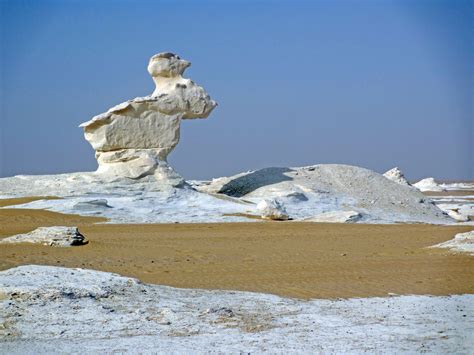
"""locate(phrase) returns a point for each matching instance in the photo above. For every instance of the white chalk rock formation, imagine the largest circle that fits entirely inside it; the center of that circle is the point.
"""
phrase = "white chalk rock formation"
(272, 209)
(455, 214)
(462, 242)
(134, 138)
(336, 217)
(397, 176)
(51, 236)
(428, 184)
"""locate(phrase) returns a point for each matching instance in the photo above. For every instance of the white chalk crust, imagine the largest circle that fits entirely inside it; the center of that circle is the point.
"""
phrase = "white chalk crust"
(46, 309)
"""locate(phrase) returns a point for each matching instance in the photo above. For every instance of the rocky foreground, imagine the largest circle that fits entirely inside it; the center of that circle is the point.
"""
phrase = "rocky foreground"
(59, 310)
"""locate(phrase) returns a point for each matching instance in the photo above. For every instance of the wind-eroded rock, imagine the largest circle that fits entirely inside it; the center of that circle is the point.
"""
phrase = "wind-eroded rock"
(397, 176)
(51, 236)
(134, 138)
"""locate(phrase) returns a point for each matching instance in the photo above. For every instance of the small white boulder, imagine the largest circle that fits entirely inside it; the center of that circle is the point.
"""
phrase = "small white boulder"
(336, 217)
(454, 213)
(272, 209)
(50, 236)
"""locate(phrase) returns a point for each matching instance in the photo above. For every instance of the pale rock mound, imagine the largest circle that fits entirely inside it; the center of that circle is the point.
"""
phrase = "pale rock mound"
(51, 236)
(397, 176)
(272, 209)
(462, 242)
(428, 184)
(134, 138)
(336, 217)
(331, 187)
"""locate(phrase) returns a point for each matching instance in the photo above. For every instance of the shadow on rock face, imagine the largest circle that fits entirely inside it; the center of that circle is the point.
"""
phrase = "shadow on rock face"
(245, 184)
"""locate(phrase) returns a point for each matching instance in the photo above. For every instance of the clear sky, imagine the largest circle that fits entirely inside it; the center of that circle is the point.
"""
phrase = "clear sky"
(369, 83)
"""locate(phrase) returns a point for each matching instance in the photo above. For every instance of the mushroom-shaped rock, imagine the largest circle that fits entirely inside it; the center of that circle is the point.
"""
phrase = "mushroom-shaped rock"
(134, 138)
(397, 176)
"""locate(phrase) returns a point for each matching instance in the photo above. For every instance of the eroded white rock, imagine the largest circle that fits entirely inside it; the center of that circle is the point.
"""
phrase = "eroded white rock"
(454, 213)
(462, 242)
(272, 209)
(428, 184)
(133, 139)
(50, 310)
(336, 217)
(51, 236)
(397, 176)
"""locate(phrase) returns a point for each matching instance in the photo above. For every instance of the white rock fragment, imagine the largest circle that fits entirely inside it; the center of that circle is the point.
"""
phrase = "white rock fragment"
(336, 217)
(428, 184)
(272, 209)
(462, 242)
(133, 139)
(397, 176)
(454, 213)
(51, 236)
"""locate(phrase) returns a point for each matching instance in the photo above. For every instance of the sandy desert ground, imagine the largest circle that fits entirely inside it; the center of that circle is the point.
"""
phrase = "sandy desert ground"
(320, 286)
(293, 259)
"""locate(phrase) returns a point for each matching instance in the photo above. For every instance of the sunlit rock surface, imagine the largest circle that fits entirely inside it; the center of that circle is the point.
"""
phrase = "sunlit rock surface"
(428, 184)
(134, 138)
(52, 236)
(305, 192)
(462, 243)
(336, 217)
(45, 309)
(397, 176)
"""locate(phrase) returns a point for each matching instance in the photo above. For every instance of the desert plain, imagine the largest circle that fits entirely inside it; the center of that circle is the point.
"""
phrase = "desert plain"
(291, 259)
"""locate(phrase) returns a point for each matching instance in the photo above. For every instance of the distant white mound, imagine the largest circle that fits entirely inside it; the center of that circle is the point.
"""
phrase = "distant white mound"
(397, 176)
(51, 236)
(428, 184)
(312, 190)
(134, 138)
(462, 243)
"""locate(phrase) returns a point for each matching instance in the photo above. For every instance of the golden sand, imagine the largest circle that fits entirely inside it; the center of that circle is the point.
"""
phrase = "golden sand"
(305, 260)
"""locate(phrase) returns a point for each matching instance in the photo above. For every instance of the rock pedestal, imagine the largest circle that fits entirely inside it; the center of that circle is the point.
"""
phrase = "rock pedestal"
(134, 138)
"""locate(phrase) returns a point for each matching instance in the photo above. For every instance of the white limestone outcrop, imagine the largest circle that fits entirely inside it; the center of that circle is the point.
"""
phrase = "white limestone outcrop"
(461, 243)
(50, 236)
(336, 217)
(454, 213)
(428, 184)
(134, 138)
(397, 176)
(272, 209)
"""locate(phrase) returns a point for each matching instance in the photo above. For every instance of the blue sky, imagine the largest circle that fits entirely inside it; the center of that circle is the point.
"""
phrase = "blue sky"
(370, 83)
